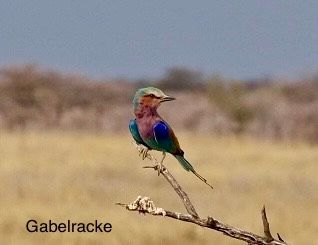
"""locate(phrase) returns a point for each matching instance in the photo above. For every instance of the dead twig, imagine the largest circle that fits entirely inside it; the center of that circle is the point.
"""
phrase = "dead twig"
(146, 205)
(183, 196)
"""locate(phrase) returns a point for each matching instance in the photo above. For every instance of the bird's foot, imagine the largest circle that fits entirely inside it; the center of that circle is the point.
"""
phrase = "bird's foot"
(159, 168)
(143, 151)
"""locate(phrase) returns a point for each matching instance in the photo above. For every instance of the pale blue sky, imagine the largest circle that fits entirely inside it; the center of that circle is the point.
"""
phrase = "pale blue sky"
(238, 38)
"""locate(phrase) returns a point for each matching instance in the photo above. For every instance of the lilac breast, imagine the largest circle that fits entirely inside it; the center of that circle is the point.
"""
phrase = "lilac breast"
(146, 118)
(145, 127)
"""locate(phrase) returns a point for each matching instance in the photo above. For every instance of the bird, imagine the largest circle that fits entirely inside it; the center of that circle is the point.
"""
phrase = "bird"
(152, 132)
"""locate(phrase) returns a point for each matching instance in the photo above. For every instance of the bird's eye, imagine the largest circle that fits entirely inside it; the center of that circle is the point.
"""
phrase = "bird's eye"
(152, 95)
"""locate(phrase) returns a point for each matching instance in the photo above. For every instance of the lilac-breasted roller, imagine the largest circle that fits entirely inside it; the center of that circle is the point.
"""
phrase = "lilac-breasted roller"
(151, 131)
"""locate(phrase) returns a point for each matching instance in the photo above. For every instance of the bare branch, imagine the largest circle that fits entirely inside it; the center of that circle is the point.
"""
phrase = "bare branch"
(172, 181)
(183, 196)
(146, 205)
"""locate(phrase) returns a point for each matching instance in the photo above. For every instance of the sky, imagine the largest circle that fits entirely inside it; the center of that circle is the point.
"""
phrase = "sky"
(242, 39)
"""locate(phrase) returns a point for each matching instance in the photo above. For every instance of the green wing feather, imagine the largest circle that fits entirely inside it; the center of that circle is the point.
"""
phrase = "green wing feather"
(135, 132)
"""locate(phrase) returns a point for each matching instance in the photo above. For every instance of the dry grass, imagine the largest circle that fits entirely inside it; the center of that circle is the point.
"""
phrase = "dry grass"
(79, 176)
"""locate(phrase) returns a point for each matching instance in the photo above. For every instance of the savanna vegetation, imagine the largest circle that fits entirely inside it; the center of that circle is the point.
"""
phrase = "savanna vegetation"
(31, 97)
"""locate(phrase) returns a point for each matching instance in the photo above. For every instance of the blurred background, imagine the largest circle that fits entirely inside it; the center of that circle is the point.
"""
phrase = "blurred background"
(245, 75)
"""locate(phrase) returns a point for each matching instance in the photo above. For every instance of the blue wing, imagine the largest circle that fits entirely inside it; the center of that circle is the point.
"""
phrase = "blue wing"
(135, 133)
(165, 138)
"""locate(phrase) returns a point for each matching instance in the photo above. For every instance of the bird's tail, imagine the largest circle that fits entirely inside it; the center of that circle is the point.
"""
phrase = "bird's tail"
(187, 166)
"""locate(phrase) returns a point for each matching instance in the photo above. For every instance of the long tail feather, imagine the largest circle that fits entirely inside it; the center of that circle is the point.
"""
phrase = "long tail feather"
(187, 166)
(184, 163)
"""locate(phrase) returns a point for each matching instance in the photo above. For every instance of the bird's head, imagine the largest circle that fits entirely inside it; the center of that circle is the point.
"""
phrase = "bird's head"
(151, 97)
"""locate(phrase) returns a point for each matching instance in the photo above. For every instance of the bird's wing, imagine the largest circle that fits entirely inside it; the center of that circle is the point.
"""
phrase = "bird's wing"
(166, 139)
(135, 132)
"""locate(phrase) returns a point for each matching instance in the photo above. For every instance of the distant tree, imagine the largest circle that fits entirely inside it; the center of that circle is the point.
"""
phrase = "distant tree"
(300, 92)
(228, 97)
(180, 78)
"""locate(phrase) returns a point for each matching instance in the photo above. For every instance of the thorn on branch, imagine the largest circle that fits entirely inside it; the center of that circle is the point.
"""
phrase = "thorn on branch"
(121, 204)
(267, 231)
(211, 222)
(280, 238)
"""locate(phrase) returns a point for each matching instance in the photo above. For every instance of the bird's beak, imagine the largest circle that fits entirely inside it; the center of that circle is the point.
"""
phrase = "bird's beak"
(167, 98)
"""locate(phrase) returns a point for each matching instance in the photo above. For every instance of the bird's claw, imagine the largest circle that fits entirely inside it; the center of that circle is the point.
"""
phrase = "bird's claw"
(143, 152)
(159, 168)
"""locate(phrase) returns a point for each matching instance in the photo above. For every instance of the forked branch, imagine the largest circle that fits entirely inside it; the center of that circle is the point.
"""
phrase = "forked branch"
(146, 205)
